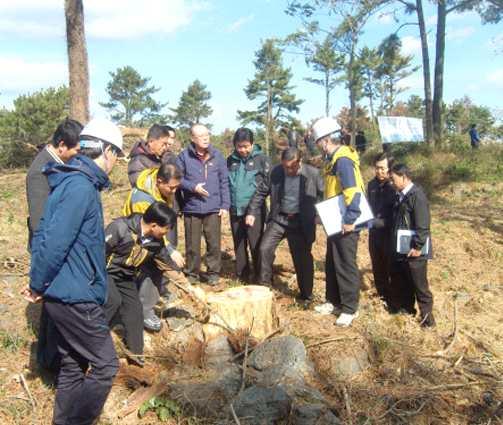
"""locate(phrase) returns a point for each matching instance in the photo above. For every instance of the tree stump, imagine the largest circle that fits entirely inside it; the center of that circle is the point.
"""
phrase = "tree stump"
(249, 308)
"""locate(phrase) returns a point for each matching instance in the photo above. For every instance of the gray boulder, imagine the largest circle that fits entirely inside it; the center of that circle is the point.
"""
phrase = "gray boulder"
(262, 406)
(313, 414)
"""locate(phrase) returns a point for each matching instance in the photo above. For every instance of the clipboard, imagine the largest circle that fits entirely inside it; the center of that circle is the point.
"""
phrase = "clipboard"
(333, 209)
(404, 239)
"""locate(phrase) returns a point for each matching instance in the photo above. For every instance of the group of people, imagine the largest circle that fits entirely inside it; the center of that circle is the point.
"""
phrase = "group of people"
(91, 278)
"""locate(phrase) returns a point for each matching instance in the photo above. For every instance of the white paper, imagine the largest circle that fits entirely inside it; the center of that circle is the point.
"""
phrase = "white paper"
(400, 129)
(333, 209)
(403, 240)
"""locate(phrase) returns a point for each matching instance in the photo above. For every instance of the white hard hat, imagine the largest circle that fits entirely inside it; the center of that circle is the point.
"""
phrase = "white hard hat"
(323, 127)
(102, 129)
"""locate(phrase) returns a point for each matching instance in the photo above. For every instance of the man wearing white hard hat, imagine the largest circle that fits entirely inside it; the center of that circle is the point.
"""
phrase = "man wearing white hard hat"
(342, 176)
(68, 271)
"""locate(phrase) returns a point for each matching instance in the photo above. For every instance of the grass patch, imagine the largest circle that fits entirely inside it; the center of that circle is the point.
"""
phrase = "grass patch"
(12, 342)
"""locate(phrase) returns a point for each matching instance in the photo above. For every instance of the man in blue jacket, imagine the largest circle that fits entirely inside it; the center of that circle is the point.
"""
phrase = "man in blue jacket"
(205, 190)
(68, 271)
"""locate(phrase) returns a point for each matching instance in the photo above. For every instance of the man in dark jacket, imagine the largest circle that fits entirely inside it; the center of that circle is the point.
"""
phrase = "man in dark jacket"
(63, 147)
(132, 243)
(68, 271)
(409, 281)
(294, 188)
(248, 167)
(381, 197)
(150, 153)
(205, 191)
(474, 136)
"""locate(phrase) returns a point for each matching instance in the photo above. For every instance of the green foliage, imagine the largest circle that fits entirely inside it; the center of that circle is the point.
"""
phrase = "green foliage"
(30, 123)
(12, 342)
(164, 408)
(193, 106)
(272, 84)
(131, 101)
(461, 113)
(393, 68)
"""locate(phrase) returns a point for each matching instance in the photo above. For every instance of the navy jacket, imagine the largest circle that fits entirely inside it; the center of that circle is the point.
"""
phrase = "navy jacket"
(212, 172)
(68, 249)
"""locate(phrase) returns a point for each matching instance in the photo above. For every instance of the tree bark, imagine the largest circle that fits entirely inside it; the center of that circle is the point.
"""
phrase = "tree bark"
(439, 72)
(77, 61)
(327, 94)
(352, 89)
(426, 72)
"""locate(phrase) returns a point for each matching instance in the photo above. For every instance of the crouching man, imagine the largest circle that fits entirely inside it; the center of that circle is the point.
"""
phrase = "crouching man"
(134, 244)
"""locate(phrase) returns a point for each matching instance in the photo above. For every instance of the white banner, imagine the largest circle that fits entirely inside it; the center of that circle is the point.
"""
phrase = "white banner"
(400, 129)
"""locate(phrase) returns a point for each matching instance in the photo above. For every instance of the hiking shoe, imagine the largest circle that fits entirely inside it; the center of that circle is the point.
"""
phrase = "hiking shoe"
(212, 279)
(136, 359)
(325, 308)
(151, 322)
(345, 319)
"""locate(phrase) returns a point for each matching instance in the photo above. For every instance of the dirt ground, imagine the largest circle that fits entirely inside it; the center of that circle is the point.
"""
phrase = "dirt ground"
(448, 375)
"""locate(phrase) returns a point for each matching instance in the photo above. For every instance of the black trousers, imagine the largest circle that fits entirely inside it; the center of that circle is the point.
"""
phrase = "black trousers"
(88, 362)
(379, 249)
(47, 349)
(245, 236)
(197, 225)
(173, 235)
(409, 283)
(124, 306)
(341, 272)
(299, 249)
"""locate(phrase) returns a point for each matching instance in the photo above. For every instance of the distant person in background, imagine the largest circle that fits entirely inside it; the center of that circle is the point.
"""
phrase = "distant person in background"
(381, 197)
(361, 142)
(155, 185)
(294, 189)
(409, 280)
(474, 136)
(205, 190)
(63, 147)
(248, 167)
(149, 153)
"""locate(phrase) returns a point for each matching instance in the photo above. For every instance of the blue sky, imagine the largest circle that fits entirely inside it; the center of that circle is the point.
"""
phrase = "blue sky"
(176, 41)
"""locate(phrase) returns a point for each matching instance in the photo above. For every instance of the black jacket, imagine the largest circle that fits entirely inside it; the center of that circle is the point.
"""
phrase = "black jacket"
(125, 251)
(382, 198)
(37, 190)
(311, 192)
(413, 213)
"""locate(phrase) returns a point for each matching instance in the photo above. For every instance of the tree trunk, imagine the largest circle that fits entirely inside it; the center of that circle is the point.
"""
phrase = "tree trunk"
(439, 72)
(77, 61)
(426, 72)
(327, 94)
(352, 90)
(250, 308)
(268, 135)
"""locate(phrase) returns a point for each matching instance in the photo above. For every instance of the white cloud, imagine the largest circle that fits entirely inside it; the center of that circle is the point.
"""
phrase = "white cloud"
(19, 75)
(412, 82)
(459, 33)
(411, 45)
(110, 19)
(236, 25)
(495, 78)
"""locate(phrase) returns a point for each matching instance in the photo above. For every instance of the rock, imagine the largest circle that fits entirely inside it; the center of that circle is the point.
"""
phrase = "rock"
(262, 406)
(209, 399)
(313, 414)
(280, 360)
(183, 338)
(242, 307)
(348, 366)
(218, 353)
(176, 324)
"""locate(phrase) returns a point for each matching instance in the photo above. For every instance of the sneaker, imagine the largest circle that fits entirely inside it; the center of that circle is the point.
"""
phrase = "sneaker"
(151, 322)
(345, 319)
(325, 308)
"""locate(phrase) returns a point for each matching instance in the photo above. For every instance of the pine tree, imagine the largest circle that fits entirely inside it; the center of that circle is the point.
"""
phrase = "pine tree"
(131, 100)
(193, 106)
(272, 84)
